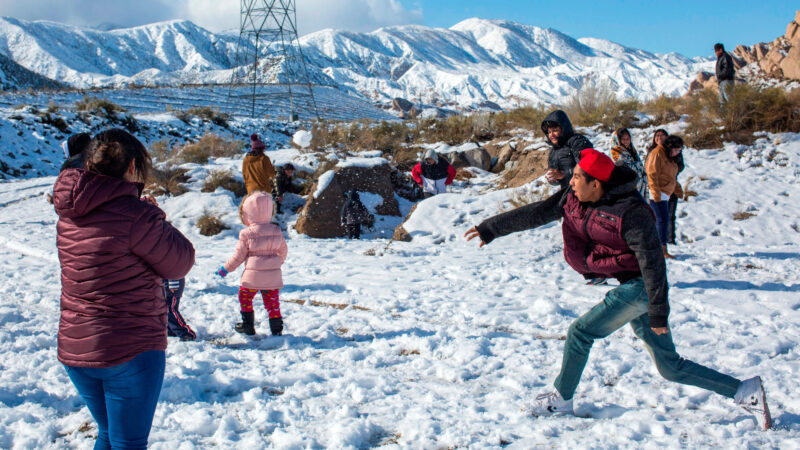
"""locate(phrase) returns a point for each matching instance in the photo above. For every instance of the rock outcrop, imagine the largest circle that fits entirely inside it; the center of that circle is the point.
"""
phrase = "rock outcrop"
(320, 217)
(779, 58)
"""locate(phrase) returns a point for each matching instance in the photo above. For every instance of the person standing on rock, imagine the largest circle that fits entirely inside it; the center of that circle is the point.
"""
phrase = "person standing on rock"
(566, 147)
(662, 180)
(257, 169)
(433, 173)
(725, 73)
(608, 229)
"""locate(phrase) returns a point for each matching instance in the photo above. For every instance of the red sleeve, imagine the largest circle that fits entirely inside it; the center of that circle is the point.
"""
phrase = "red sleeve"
(416, 173)
(451, 175)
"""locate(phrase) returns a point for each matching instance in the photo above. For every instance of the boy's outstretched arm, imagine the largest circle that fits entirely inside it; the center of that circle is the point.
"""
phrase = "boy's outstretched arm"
(523, 218)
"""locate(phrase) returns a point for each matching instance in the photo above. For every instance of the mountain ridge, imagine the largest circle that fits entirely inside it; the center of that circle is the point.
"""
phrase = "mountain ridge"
(474, 61)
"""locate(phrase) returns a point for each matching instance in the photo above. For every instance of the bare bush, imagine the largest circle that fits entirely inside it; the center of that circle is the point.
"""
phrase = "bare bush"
(99, 107)
(209, 146)
(167, 181)
(223, 179)
(596, 104)
(210, 224)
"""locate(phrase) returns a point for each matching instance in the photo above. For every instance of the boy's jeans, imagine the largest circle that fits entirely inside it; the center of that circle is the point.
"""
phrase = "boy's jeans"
(624, 304)
(122, 399)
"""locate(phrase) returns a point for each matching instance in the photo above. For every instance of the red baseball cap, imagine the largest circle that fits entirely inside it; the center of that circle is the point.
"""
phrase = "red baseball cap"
(596, 164)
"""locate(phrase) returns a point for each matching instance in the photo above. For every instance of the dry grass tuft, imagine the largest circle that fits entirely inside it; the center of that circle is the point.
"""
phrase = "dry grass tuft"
(208, 146)
(167, 181)
(210, 224)
(225, 180)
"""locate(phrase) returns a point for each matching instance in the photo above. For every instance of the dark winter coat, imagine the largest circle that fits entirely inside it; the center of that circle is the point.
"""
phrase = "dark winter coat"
(725, 69)
(442, 169)
(565, 154)
(353, 211)
(115, 250)
(73, 162)
(283, 183)
(614, 237)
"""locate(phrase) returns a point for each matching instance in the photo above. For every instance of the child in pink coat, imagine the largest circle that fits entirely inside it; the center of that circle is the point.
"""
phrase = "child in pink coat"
(263, 250)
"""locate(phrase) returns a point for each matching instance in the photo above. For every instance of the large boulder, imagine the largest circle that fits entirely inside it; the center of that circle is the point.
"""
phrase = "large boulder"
(526, 166)
(401, 104)
(476, 156)
(790, 65)
(320, 216)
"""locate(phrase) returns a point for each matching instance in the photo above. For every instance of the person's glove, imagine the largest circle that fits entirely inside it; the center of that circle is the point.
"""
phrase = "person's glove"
(222, 272)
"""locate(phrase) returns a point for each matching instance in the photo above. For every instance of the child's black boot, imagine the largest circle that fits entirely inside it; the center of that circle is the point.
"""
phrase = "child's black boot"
(247, 325)
(276, 326)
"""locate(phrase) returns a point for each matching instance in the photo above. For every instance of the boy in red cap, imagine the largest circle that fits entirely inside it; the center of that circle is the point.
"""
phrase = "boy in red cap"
(610, 231)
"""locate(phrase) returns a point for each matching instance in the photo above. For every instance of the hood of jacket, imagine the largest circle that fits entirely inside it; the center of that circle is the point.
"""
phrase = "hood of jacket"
(559, 117)
(621, 183)
(615, 143)
(257, 209)
(78, 192)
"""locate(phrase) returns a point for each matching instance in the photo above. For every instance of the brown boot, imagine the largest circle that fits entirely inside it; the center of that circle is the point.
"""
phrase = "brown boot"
(666, 253)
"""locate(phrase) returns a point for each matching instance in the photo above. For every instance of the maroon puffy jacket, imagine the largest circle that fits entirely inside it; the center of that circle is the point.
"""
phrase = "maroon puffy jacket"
(114, 249)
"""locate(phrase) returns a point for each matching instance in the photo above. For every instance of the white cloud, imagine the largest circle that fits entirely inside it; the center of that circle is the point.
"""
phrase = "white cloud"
(215, 15)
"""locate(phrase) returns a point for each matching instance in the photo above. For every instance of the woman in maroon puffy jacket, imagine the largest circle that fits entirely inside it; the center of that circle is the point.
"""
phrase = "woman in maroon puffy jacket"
(115, 249)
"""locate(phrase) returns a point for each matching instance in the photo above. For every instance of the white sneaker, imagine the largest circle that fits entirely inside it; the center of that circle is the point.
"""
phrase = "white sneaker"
(551, 404)
(753, 399)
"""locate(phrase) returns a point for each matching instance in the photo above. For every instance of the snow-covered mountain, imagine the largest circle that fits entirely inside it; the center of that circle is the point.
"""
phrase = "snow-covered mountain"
(470, 63)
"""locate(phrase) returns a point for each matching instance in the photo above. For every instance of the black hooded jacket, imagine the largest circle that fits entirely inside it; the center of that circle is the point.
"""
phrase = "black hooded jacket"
(565, 154)
(353, 211)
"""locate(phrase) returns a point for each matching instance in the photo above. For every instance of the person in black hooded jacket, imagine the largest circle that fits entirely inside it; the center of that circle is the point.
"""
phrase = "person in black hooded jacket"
(566, 148)
(354, 214)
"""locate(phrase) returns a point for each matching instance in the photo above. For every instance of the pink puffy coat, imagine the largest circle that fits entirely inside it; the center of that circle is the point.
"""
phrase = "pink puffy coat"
(114, 250)
(261, 245)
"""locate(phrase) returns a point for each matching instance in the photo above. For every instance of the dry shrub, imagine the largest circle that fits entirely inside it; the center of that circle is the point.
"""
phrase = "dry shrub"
(597, 104)
(99, 107)
(753, 109)
(167, 181)
(528, 117)
(742, 215)
(208, 146)
(210, 224)
(54, 121)
(663, 108)
(225, 180)
(160, 150)
(213, 115)
(702, 109)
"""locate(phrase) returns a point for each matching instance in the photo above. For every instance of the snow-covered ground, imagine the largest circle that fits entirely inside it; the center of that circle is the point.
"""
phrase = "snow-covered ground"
(436, 343)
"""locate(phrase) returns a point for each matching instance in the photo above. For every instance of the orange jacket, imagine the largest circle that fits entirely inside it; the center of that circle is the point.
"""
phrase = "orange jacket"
(258, 173)
(662, 174)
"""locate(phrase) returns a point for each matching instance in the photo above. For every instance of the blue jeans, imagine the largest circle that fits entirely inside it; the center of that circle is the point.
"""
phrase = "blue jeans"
(662, 219)
(628, 304)
(122, 399)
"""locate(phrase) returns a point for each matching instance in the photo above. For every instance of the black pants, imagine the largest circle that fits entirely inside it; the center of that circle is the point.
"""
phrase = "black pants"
(176, 324)
(276, 201)
(353, 231)
(673, 210)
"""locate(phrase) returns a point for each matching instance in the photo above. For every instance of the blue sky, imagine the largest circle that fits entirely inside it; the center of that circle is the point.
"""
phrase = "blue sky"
(687, 27)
